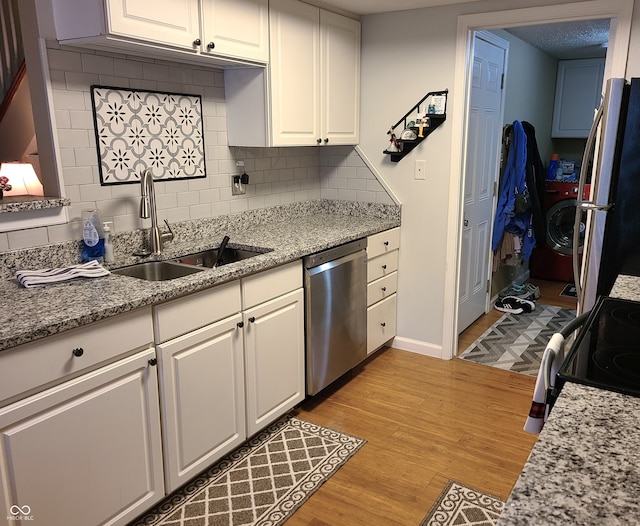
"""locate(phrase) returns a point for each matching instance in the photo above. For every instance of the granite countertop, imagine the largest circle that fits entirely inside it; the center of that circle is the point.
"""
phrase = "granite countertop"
(583, 470)
(33, 313)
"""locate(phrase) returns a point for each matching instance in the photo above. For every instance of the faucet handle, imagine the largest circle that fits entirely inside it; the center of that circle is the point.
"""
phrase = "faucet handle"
(168, 235)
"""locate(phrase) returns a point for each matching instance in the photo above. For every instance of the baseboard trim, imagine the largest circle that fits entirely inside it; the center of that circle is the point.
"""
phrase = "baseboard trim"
(419, 347)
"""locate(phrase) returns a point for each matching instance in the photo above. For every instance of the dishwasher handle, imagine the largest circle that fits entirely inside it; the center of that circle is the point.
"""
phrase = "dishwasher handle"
(331, 254)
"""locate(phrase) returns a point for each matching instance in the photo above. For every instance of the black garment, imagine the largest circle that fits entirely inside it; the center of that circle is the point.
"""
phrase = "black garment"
(535, 176)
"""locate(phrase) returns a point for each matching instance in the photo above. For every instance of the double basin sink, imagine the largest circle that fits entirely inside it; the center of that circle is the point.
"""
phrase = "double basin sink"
(185, 265)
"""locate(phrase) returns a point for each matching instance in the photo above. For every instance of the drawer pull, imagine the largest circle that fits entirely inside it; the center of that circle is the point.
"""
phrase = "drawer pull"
(384, 267)
(78, 351)
(197, 42)
(211, 45)
(240, 324)
(383, 324)
(252, 319)
(153, 361)
(384, 289)
(386, 243)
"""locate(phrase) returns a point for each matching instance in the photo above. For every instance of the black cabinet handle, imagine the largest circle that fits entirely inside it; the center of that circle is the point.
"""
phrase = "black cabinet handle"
(79, 351)
(384, 289)
(386, 243)
(384, 267)
(197, 42)
(211, 45)
(153, 361)
(383, 324)
(326, 141)
(252, 319)
(319, 141)
(240, 324)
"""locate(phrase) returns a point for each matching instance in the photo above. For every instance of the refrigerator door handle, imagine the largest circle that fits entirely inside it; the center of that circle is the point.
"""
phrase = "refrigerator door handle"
(588, 151)
(588, 205)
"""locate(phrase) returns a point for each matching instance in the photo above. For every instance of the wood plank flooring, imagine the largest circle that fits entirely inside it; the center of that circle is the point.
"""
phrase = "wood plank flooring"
(426, 421)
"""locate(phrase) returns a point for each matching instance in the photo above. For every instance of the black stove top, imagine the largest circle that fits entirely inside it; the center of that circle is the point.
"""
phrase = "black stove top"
(606, 353)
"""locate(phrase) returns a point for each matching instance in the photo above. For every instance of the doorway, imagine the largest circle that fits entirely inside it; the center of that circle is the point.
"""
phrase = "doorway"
(617, 10)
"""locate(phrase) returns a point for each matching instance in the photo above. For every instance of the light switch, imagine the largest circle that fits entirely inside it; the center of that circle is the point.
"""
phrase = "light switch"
(420, 169)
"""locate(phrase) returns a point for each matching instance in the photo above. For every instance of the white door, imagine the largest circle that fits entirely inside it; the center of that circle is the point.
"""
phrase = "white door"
(170, 22)
(274, 352)
(484, 133)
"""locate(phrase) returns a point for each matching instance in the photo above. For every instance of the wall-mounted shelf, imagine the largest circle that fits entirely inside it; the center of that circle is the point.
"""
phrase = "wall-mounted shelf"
(433, 114)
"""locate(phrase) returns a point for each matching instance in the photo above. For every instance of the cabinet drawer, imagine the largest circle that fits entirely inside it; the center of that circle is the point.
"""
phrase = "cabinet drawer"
(269, 284)
(383, 242)
(382, 288)
(381, 323)
(382, 265)
(183, 315)
(45, 362)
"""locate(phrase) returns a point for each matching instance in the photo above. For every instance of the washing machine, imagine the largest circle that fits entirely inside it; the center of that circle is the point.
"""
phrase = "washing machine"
(554, 261)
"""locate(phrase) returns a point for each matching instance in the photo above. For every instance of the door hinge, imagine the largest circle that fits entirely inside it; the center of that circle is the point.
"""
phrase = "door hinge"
(495, 188)
(488, 286)
(502, 81)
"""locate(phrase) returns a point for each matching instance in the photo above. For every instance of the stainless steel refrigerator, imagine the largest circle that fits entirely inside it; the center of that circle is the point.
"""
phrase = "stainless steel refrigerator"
(612, 227)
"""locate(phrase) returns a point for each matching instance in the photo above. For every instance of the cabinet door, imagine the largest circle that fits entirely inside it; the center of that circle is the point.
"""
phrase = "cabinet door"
(340, 78)
(295, 69)
(236, 28)
(578, 94)
(202, 387)
(170, 22)
(274, 352)
(87, 451)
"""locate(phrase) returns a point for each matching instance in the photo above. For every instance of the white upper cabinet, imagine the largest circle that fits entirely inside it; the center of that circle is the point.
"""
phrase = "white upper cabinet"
(578, 94)
(310, 94)
(198, 30)
(236, 28)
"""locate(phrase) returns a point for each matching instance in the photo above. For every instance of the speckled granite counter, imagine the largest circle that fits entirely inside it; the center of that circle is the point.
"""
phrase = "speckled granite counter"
(583, 469)
(29, 314)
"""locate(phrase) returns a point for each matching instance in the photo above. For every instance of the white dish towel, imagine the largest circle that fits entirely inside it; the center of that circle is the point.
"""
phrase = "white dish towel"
(551, 361)
(33, 278)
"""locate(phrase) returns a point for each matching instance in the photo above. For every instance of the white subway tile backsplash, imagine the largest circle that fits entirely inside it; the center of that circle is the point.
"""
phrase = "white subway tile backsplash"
(73, 138)
(77, 81)
(68, 100)
(81, 120)
(30, 237)
(131, 69)
(104, 65)
(60, 60)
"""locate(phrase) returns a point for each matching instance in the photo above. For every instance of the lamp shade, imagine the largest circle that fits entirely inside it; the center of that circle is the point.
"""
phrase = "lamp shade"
(22, 178)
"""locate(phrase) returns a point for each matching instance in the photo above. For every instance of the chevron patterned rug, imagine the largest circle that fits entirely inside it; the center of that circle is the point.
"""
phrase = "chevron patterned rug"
(261, 483)
(516, 342)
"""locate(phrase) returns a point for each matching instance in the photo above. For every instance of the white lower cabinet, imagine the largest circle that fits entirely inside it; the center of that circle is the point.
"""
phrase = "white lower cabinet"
(274, 349)
(203, 403)
(87, 451)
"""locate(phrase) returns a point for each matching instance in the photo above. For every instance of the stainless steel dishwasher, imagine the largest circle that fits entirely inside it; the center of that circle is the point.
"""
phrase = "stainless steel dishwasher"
(335, 283)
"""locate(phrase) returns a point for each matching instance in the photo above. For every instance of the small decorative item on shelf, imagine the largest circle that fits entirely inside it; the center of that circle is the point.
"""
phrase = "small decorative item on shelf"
(4, 186)
(424, 122)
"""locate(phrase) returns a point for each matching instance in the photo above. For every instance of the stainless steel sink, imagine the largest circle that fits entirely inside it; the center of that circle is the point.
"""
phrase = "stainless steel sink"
(207, 258)
(156, 271)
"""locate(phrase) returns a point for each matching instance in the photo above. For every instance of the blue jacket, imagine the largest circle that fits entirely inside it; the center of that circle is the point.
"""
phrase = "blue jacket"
(513, 182)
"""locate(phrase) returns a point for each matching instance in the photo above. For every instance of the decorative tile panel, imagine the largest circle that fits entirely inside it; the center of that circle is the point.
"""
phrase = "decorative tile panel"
(140, 130)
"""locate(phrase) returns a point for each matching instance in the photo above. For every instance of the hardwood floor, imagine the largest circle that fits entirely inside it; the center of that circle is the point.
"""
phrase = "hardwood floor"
(426, 421)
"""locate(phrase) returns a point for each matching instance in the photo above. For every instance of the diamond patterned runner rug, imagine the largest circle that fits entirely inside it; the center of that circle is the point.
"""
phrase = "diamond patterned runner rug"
(460, 505)
(261, 483)
(516, 342)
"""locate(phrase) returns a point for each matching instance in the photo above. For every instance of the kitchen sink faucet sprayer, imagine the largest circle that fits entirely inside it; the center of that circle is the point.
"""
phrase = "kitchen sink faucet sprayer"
(148, 210)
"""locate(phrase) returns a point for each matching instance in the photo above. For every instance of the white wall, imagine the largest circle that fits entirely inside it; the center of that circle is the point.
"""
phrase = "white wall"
(405, 54)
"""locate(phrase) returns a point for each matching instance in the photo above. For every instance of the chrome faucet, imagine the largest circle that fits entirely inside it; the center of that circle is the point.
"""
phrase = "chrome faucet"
(148, 209)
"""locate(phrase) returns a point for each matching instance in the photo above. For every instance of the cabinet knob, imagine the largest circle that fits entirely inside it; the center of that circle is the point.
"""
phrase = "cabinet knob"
(383, 324)
(326, 141)
(197, 42)
(211, 45)
(386, 243)
(384, 289)
(384, 267)
(153, 361)
(240, 324)
(319, 141)
(252, 319)
(79, 351)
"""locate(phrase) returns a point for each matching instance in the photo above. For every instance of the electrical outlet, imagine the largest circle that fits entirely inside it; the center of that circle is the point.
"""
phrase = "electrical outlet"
(237, 188)
(420, 170)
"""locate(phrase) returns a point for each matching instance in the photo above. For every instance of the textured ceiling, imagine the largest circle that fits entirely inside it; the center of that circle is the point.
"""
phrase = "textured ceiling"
(564, 40)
